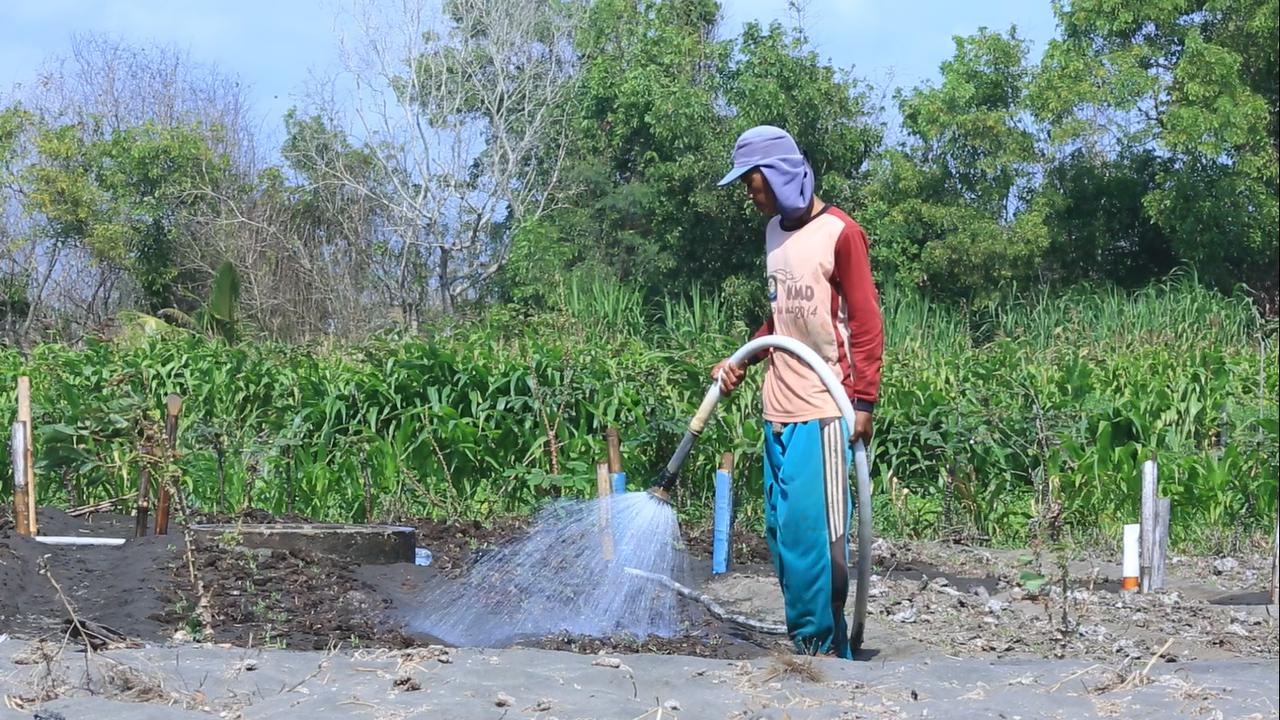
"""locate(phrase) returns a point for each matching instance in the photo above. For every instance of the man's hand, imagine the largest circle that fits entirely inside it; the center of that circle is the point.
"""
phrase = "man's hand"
(861, 427)
(732, 376)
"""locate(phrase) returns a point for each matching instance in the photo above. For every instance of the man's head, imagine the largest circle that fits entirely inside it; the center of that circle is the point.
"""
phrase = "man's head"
(776, 173)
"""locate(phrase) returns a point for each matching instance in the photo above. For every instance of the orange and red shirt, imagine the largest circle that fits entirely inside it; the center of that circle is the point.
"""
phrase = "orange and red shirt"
(821, 293)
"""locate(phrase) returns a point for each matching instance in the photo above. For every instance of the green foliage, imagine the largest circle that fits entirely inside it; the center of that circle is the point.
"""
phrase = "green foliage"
(658, 105)
(953, 210)
(123, 196)
(217, 316)
(1197, 83)
(983, 411)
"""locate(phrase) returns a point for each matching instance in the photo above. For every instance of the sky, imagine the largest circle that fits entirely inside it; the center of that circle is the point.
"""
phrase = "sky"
(276, 46)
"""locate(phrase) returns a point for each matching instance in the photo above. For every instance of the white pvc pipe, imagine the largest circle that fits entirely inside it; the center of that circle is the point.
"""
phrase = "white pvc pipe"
(837, 392)
(69, 540)
(1132, 556)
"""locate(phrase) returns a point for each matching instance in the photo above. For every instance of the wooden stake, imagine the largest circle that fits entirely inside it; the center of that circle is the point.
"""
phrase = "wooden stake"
(144, 498)
(1161, 549)
(605, 488)
(615, 450)
(1148, 532)
(222, 472)
(173, 407)
(24, 416)
(18, 451)
(721, 533)
(1275, 565)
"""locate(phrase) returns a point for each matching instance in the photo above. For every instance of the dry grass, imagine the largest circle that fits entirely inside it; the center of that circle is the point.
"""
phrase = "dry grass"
(793, 667)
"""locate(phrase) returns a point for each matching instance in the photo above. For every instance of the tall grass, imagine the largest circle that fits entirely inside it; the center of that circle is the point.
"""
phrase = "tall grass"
(987, 414)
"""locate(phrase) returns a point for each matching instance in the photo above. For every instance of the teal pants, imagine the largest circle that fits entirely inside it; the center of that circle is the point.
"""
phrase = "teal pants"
(807, 515)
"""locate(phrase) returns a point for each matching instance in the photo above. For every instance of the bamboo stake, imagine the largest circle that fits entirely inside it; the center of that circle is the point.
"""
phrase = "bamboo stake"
(173, 407)
(721, 540)
(144, 498)
(24, 416)
(18, 451)
(604, 489)
(614, 443)
(615, 449)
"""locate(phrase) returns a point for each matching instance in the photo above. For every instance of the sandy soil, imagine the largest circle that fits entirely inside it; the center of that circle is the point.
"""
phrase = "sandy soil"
(953, 631)
(235, 683)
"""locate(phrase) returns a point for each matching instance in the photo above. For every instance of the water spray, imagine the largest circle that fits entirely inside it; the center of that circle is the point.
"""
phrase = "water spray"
(670, 474)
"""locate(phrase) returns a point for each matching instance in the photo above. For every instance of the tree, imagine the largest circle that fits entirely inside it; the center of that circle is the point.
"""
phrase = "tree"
(106, 224)
(450, 114)
(1099, 226)
(954, 209)
(123, 197)
(15, 266)
(656, 112)
(1194, 83)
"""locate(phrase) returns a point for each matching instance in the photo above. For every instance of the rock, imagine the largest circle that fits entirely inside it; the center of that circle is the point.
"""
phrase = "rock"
(504, 700)
(406, 683)
(182, 636)
(906, 616)
(356, 600)
(1222, 566)
(1017, 593)
(1237, 629)
(607, 662)
(542, 705)
(1092, 632)
(980, 591)
(671, 706)
(995, 607)
(249, 665)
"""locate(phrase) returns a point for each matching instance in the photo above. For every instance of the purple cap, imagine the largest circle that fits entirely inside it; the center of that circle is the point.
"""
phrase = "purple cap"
(756, 147)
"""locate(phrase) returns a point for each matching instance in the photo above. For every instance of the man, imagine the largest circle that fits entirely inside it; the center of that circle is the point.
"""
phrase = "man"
(821, 292)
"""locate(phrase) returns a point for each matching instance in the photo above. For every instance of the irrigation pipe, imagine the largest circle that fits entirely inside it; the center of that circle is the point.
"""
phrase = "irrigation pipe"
(669, 474)
(712, 606)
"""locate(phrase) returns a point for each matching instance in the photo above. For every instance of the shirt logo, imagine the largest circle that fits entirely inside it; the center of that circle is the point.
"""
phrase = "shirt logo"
(789, 280)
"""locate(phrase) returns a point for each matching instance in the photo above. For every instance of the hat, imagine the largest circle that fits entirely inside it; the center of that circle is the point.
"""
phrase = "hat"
(785, 168)
(756, 147)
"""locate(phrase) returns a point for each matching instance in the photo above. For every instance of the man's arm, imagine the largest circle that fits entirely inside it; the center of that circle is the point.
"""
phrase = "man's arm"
(765, 329)
(731, 375)
(866, 327)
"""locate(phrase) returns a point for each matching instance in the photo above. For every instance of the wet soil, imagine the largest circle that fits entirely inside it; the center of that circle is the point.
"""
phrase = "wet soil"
(925, 597)
(745, 548)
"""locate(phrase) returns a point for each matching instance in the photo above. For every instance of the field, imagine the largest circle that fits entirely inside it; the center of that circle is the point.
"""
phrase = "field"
(989, 414)
(1009, 440)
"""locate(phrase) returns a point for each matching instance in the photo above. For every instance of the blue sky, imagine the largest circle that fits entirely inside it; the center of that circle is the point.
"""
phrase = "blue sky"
(273, 46)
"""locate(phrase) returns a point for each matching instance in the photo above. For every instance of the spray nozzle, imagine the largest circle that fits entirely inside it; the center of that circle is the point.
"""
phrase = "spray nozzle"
(665, 483)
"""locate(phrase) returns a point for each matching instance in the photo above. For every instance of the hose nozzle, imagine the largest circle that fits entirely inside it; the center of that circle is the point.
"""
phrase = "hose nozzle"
(666, 482)
(659, 494)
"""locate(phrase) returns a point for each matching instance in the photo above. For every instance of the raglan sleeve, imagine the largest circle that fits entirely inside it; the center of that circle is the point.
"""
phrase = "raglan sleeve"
(866, 326)
(765, 328)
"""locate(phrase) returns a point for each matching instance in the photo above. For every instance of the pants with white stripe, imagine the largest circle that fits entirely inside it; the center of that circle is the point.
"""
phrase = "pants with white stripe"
(808, 513)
